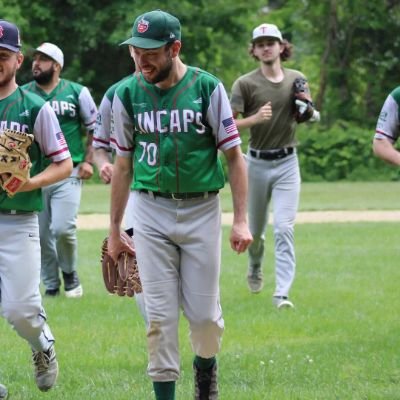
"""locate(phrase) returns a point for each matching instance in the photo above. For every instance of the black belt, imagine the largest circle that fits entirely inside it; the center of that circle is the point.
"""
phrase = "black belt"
(180, 196)
(16, 212)
(272, 154)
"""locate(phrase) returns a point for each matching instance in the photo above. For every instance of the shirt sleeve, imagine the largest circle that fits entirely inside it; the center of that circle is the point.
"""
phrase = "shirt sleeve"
(102, 131)
(122, 129)
(48, 134)
(237, 101)
(88, 109)
(220, 118)
(388, 121)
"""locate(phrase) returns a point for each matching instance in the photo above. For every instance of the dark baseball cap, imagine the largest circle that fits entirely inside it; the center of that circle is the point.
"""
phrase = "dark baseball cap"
(154, 29)
(9, 36)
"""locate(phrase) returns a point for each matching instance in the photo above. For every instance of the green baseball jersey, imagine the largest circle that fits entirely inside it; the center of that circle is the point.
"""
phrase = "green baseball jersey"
(25, 112)
(174, 134)
(102, 131)
(253, 90)
(74, 107)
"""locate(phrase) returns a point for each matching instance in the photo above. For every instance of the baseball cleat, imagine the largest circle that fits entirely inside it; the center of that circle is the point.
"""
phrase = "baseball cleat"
(74, 293)
(46, 368)
(282, 302)
(255, 278)
(205, 383)
(3, 392)
(52, 292)
(72, 286)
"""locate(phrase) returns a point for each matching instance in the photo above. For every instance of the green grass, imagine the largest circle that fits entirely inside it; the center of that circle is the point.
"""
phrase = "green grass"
(340, 342)
(314, 197)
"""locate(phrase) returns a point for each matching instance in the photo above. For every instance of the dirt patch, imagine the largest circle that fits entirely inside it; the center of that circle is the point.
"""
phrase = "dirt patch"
(101, 221)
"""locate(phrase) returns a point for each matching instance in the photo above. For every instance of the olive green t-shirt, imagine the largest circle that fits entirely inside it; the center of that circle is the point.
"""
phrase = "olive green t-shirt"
(253, 90)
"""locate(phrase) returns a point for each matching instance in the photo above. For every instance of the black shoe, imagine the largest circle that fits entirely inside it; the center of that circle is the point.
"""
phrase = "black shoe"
(205, 383)
(71, 281)
(51, 293)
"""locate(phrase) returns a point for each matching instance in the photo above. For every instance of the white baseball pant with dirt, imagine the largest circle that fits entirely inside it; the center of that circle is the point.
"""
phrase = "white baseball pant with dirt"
(20, 299)
(178, 247)
(277, 181)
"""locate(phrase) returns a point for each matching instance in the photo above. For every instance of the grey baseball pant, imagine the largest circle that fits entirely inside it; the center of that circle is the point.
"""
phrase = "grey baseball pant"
(276, 182)
(178, 248)
(58, 229)
(20, 299)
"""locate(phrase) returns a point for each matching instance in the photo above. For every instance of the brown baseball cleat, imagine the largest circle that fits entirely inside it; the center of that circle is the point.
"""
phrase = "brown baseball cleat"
(46, 368)
(205, 383)
(255, 278)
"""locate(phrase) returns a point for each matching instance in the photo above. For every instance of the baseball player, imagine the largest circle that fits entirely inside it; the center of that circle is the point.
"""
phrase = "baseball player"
(103, 160)
(387, 129)
(74, 107)
(265, 99)
(20, 299)
(101, 138)
(170, 120)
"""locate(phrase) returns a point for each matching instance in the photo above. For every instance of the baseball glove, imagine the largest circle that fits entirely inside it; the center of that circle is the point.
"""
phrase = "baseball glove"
(302, 99)
(121, 278)
(15, 162)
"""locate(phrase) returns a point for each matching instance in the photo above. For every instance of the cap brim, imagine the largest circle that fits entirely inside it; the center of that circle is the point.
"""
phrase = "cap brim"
(9, 47)
(268, 37)
(144, 43)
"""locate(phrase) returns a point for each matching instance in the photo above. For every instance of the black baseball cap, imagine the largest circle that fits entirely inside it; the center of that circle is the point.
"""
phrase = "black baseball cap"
(9, 36)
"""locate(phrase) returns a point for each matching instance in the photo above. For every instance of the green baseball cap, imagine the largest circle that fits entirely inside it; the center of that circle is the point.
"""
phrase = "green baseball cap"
(154, 29)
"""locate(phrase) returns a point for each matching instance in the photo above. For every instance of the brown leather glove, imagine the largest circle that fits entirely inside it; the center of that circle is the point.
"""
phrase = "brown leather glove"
(302, 99)
(15, 163)
(121, 278)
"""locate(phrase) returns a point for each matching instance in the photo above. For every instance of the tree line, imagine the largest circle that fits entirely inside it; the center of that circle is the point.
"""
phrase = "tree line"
(348, 49)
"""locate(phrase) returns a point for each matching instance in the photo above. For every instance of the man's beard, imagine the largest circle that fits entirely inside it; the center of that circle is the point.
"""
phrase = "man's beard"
(44, 77)
(163, 74)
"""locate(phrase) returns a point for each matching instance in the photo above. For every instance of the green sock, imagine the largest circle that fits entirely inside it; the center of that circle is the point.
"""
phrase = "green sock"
(164, 390)
(204, 363)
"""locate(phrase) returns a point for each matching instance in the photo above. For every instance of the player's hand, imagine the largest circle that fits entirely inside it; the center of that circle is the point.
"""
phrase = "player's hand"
(106, 172)
(118, 244)
(85, 170)
(264, 113)
(241, 237)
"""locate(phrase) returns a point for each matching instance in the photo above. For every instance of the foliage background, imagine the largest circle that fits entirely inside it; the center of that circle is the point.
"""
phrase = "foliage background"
(348, 49)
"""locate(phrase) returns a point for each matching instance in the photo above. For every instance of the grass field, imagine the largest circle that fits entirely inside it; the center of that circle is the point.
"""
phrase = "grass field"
(340, 342)
(314, 197)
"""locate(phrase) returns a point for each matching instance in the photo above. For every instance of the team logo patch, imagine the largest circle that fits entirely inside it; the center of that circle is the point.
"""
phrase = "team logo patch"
(143, 25)
(1, 31)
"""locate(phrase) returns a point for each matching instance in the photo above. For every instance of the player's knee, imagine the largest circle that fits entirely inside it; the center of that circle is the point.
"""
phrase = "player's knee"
(22, 319)
(64, 231)
(283, 229)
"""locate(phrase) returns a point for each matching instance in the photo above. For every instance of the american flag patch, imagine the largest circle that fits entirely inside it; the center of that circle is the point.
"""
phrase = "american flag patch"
(229, 125)
(61, 139)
